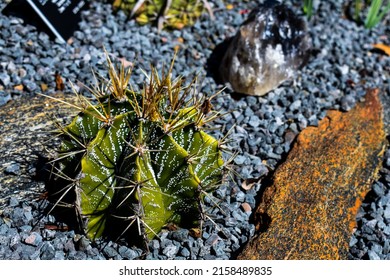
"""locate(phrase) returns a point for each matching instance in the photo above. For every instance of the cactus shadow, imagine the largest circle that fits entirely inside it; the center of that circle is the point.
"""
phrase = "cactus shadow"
(63, 215)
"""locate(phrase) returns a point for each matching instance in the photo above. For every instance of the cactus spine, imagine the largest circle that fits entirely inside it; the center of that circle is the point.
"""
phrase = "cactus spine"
(134, 162)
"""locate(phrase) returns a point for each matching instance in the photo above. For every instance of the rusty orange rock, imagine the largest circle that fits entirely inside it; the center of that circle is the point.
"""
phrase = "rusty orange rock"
(309, 209)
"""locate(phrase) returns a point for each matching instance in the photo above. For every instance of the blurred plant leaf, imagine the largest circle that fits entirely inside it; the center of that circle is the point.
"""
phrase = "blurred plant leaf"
(382, 47)
(376, 13)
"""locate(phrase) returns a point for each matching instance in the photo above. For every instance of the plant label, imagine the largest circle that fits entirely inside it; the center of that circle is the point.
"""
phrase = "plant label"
(60, 16)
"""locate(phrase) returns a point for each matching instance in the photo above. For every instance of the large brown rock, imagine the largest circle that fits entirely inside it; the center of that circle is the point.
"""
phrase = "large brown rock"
(309, 210)
(268, 49)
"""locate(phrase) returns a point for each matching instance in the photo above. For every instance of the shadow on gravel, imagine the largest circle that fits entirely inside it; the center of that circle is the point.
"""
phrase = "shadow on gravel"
(65, 215)
(262, 221)
(21, 9)
(215, 59)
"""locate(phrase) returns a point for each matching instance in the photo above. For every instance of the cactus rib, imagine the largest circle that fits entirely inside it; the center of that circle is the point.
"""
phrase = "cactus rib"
(134, 162)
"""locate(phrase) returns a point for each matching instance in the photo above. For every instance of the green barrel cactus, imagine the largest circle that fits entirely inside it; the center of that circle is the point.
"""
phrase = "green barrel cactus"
(135, 162)
(169, 13)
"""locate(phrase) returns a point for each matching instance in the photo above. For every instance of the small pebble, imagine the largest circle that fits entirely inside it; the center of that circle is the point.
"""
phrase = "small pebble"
(246, 207)
(34, 239)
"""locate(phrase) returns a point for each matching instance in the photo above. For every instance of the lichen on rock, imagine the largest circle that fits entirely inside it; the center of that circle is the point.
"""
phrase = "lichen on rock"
(309, 209)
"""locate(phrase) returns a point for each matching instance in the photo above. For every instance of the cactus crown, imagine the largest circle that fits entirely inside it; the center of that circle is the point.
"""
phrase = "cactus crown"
(134, 162)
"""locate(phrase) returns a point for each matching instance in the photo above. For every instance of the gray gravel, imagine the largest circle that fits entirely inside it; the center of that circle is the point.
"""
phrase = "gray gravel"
(342, 66)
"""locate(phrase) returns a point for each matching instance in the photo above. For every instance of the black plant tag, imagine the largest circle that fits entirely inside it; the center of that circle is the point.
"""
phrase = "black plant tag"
(60, 17)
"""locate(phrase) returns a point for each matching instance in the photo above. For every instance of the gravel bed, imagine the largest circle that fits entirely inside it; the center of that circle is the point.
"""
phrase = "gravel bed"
(341, 67)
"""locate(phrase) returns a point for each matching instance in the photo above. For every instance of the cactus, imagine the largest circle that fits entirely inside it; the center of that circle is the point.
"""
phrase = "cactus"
(169, 13)
(135, 162)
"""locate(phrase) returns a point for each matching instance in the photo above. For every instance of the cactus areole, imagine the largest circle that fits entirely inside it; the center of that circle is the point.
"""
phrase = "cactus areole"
(134, 162)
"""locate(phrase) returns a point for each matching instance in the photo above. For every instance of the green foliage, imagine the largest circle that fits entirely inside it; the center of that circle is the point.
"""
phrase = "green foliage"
(173, 14)
(376, 12)
(308, 7)
(134, 162)
(358, 6)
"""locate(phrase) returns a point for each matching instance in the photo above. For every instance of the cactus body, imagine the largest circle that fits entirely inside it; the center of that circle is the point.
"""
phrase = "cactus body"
(169, 13)
(138, 161)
